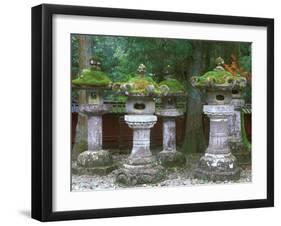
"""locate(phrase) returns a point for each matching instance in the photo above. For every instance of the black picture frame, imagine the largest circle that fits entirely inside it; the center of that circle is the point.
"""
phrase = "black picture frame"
(42, 111)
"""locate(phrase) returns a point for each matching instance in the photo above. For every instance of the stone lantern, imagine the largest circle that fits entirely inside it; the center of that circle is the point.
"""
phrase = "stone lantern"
(218, 163)
(235, 121)
(94, 160)
(141, 166)
(171, 89)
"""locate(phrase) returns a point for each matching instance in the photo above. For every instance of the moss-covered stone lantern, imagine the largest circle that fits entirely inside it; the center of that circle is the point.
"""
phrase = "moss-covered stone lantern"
(171, 89)
(94, 160)
(141, 166)
(218, 163)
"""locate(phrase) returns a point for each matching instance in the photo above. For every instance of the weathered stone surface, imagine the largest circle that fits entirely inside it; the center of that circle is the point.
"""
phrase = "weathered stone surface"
(140, 121)
(141, 125)
(218, 163)
(169, 134)
(173, 178)
(241, 153)
(235, 120)
(101, 170)
(141, 166)
(218, 110)
(94, 158)
(140, 105)
(217, 168)
(131, 175)
(169, 156)
(169, 113)
(94, 109)
(237, 103)
(171, 159)
(94, 162)
(236, 144)
(95, 132)
(219, 97)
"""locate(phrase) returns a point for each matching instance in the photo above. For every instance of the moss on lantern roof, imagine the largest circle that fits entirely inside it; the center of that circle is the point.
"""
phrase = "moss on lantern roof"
(175, 87)
(141, 85)
(137, 86)
(91, 78)
(219, 78)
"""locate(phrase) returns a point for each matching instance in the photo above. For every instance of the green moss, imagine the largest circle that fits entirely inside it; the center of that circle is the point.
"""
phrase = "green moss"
(91, 78)
(139, 85)
(218, 77)
(174, 86)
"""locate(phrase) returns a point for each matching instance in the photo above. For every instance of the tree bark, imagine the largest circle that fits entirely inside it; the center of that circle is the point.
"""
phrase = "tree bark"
(194, 140)
(85, 53)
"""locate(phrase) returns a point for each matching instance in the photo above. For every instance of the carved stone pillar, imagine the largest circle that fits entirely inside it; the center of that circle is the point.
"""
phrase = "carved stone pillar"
(235, 125)
(141, 166)
(218, 163)
(94, 160)
(169, 156)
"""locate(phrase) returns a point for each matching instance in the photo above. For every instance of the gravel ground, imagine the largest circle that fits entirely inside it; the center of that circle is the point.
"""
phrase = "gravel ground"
(175, 177)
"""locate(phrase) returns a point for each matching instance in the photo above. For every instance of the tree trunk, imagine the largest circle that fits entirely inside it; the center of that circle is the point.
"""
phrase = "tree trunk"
(85, 53)
(194, 140)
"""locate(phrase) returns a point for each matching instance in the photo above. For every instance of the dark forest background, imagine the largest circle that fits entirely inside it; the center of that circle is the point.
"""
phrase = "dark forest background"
(121, 56)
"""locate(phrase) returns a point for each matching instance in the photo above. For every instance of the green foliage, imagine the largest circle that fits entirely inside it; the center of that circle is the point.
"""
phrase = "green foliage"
(110, 95)
(245, 63)
(118, 76)
(156, 53)
(91, 78)
(74, 55)
(245, 56)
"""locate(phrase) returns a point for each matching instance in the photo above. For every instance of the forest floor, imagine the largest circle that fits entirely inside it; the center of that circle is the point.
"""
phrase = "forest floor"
(175, 177)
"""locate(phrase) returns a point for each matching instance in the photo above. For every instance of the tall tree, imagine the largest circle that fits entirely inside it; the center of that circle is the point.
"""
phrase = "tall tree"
(194, 136)
(85, 53)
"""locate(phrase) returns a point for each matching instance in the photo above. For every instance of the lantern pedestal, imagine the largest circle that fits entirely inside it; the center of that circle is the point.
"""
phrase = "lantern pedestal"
(218, 163)
(95, 160)
(236, 143)
(169, 156)
(141, 166)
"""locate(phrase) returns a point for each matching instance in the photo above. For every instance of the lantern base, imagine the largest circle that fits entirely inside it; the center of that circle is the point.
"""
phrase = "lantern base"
(243, 155)
(236, 146)
(171, 159)
(131, 175)
(102, 170)
(94, 162)
(218, 167)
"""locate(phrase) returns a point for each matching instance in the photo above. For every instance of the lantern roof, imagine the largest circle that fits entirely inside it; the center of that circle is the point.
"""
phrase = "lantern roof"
(170, 86)
(92, 77)
(219, 79)
(139, 85)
